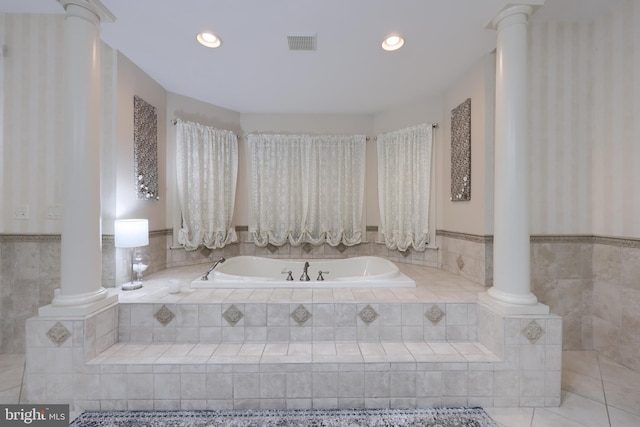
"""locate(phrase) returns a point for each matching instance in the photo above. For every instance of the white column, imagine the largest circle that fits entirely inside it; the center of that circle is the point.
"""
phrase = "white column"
(511, 289)
(81, 290)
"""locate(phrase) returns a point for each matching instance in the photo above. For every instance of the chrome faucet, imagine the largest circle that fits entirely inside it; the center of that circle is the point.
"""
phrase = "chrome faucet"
(288, 273)
(206, 275)
(305, 275)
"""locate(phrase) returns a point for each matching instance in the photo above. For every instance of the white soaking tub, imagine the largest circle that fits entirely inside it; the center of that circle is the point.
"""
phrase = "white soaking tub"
(259, 272)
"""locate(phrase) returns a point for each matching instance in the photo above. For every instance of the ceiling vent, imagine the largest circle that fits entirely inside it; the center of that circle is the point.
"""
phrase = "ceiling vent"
(302, 42)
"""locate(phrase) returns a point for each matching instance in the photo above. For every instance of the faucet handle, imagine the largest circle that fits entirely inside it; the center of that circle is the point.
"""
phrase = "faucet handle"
(289, 274)
(320, 273)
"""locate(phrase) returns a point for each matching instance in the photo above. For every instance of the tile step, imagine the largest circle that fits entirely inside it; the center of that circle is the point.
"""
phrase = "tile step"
(131, 353)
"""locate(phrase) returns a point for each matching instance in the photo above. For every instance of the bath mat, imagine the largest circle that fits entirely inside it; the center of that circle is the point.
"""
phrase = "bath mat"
(431, 417)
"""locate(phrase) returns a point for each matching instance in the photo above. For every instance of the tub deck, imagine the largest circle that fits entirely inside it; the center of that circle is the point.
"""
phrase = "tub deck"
(432, 285)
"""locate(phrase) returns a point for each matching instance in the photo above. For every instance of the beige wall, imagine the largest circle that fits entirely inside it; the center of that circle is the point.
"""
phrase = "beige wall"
(33, 93)
(133, 81)
(32, 120)
(561, 120)
(615, 126)
(476, 215)
(584, 131)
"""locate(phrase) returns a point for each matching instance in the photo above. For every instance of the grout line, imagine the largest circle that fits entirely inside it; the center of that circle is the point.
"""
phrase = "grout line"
(533, 416)
(24, 372)
(604, 393)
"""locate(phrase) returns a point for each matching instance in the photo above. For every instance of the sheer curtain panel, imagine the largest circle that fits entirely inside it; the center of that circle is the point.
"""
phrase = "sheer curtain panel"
(207, 170)
(404, 181)
(307, 189)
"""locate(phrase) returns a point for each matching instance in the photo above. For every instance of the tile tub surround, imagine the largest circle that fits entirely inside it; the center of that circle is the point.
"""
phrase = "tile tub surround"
(155, 350)
(468, 255)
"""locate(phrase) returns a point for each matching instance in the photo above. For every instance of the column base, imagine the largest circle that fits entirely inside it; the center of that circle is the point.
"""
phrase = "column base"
(80, 310)
(508, 309)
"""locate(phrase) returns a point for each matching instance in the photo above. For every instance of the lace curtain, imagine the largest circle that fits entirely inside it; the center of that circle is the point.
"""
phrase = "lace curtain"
(306, 189)
(207, 169)
(404, 181)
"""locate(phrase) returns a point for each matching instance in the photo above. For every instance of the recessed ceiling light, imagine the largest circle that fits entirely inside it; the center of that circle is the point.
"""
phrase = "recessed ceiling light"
(392, 42)
(209, 39)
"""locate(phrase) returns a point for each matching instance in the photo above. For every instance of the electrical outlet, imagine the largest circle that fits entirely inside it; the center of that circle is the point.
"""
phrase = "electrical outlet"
(21, 212)
(54, 212)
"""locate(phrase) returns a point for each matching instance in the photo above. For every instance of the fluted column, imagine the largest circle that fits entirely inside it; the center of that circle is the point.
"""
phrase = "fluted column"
(511, 289)
(81, 290)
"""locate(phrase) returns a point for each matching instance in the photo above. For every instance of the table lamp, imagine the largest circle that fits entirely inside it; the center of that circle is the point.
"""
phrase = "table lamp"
(133, 234)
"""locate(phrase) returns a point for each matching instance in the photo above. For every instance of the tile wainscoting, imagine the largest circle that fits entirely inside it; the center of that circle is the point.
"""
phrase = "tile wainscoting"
(591, 281)
(469, 255)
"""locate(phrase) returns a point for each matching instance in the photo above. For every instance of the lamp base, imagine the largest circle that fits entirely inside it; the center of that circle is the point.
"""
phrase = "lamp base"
(130, 286)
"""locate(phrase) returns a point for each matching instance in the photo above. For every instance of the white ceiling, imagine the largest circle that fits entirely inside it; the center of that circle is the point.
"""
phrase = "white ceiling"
(254, 72)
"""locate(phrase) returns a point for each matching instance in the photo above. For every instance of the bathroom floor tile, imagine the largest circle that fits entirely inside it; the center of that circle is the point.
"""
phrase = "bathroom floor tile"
(583, 410)
(581, 362)
(511, 417)
(547, 418)
(623, 396)
(10, 396)
(583, 385)
(615, 373)
(620, 418)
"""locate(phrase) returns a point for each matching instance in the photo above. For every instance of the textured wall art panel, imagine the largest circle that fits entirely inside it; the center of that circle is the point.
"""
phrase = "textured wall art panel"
(145, 149)
(461, 152)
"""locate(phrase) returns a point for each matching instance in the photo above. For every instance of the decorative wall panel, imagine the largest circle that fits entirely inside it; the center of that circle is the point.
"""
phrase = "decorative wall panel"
(461, 152)
(145, 149)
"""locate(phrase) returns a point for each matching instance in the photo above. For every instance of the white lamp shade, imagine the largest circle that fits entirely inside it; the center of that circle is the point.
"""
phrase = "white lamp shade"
(131, 233)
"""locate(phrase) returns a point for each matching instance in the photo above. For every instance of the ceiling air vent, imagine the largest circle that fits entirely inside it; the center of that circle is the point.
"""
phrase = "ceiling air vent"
(302, 42)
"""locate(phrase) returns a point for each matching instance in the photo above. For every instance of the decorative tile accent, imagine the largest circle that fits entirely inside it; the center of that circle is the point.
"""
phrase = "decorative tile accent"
(464, 236)
(406, 252)
(58, 334)
(368, 315)
(434, 314)
(460, 262)
(232, 315)
(145, 149)
(533, 332)
(461, 152)
(164, 315)
(307, 247)
(341, 247)
(271, 248)
(301, 315)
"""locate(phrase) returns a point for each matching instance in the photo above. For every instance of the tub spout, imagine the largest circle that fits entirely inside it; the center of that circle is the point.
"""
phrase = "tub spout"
(206, 275)
(305, 275)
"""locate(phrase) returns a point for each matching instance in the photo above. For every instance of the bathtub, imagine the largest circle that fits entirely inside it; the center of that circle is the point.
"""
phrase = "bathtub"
(258, 272)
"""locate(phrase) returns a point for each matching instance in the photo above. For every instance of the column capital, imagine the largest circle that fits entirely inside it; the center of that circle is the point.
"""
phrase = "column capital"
(521, 11)
(94, 6)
